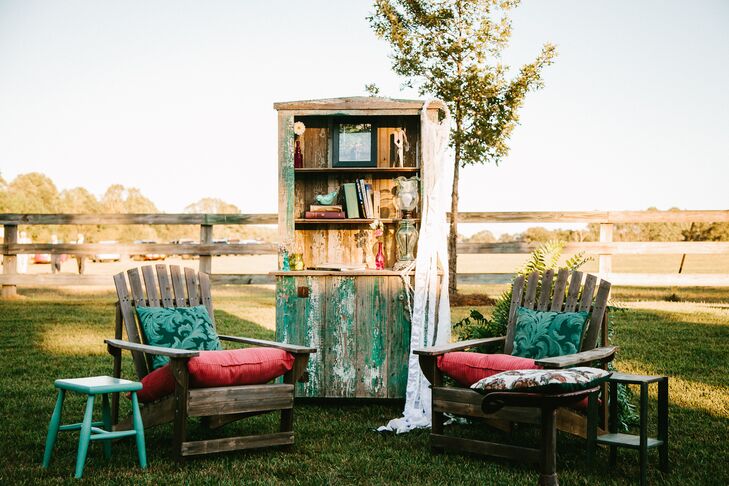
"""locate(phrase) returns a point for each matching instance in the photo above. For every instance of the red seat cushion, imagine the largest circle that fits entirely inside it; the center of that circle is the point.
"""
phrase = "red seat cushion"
(468, 368)
(250, 366)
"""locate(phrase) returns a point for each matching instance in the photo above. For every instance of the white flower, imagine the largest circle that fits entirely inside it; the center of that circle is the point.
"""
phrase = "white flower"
(299, 128)
(374, 224)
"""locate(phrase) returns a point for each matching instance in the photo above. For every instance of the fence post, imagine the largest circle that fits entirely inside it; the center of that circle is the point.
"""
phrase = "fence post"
(605, 262)
(206, 237)
(10, 262)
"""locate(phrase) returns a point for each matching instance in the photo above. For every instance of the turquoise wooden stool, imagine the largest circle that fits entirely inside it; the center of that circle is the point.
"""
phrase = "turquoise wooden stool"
(92, 386)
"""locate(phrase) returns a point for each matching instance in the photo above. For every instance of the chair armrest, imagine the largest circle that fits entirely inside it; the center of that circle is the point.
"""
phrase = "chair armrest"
(291, 348)
(585, 357)
(459, 346)
(147, 349)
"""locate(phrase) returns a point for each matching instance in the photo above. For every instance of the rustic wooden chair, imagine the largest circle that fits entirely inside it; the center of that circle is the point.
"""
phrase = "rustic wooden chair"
(540, 296)
(217, 406)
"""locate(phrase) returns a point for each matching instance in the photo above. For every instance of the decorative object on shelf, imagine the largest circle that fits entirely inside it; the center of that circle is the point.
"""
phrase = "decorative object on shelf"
(406, 195)
(299, 129)
(354, 143)
(379, 231)
(327, 199)
(297, 261)
(283, 250)
(400, 139)
(406, 199)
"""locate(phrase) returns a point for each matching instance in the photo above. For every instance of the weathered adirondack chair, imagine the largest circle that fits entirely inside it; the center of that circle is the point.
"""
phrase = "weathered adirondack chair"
(466, 402)
(217, 406)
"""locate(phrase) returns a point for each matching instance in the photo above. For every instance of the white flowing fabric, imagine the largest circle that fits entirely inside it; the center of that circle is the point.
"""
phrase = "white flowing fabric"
(430, 316)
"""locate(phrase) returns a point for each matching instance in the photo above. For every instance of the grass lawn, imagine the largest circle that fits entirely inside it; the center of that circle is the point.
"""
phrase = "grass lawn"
(49, 334)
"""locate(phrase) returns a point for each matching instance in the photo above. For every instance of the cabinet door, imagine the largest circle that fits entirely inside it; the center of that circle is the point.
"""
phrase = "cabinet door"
(339, 338)
(398, 339)
(299, 320)
(371, 331)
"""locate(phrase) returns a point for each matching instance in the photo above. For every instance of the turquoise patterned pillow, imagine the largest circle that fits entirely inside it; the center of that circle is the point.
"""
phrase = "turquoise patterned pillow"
(178, 327)
(545, 334)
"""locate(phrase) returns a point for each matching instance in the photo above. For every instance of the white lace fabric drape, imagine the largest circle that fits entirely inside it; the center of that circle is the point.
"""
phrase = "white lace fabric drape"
(430, 309)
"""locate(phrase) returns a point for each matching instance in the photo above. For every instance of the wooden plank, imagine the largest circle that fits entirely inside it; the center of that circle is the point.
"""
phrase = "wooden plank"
(135, 283)
(467, 402)
(340, 372)
(605, 261)
(205, 263)
(239, 399)
(559, 290)
(206, 295)
(310, 323)
(375, 172)
(165, 285)
(193, 293)
(139, 218)
(605, 248)
(178, 286)
(285, 176)
(10, 260)
(516, 293)
(91, 249)
(587, 291)
(531, 291)
(582, 358)
(150, 283)
(236, 443)
(596, 318)
(353, 103)
(573, 292)
(457, 346)
(130, 324)
(545, 293)
(522, 454)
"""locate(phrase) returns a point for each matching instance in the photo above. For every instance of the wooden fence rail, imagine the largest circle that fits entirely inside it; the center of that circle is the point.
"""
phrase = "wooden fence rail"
(206, 249)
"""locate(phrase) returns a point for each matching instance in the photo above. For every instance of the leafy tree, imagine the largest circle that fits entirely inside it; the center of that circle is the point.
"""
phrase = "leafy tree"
(451, 49)
(212, 205)
(484, 236)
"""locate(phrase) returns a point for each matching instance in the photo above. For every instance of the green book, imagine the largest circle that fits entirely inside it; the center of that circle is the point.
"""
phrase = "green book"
(350, 198)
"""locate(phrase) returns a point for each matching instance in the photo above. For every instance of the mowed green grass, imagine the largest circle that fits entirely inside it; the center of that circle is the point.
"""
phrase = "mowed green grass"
(49, 334)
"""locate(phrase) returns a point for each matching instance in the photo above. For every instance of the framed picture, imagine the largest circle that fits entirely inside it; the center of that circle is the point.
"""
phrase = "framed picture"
(354, 142)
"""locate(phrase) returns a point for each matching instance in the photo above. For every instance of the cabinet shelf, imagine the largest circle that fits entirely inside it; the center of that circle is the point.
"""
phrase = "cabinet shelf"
(376, 172)
(352, 221)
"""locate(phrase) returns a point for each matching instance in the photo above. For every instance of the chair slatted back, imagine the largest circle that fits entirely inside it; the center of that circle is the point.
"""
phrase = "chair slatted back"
(565, 293)
(158, 286)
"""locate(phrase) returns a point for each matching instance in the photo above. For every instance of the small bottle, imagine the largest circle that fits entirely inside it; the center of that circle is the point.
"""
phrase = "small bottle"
(298, 156)
(380, 258)
(285, 266)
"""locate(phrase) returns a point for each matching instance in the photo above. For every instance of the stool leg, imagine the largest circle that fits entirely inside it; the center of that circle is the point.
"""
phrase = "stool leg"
(643, 451)
(663, 423)
(53, 426)
(85, 438)
(139, 429)
(106, 417)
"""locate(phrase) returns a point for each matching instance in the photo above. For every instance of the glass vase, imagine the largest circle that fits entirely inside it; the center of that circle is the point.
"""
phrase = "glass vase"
(406, 238)
(380, 258)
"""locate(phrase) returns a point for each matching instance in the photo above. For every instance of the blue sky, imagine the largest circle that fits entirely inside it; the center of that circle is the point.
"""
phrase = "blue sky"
(175, 97)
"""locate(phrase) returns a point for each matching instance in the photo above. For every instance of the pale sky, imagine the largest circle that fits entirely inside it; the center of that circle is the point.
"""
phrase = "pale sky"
(175, 98)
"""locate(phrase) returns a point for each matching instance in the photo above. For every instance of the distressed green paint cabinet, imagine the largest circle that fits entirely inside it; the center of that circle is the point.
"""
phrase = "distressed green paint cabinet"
(358, 321)
(359, 325)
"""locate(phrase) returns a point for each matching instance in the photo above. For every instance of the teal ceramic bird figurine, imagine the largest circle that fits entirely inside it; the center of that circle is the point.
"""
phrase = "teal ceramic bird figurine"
(327, 199)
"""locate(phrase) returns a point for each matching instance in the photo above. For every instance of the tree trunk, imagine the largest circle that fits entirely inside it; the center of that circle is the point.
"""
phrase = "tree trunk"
(453, 235)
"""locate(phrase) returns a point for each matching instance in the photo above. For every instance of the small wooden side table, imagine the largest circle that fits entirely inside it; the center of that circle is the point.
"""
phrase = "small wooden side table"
(642, 442)
(90, 430)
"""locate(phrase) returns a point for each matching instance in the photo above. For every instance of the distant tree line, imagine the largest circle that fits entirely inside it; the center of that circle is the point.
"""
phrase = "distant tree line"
(621, 232)
(36, 193)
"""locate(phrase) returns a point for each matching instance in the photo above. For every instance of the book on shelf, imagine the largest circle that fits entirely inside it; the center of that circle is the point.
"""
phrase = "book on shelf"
(332, 207)
(371, 200)
(350, 198)
(324, 215)
(342, 267)
(360, 199)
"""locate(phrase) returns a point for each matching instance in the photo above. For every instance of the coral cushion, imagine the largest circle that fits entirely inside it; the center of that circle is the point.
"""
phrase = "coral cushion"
(468, 368)
(248, 366)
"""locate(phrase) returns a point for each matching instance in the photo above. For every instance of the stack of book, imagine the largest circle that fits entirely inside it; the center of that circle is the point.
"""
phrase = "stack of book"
(361, 200)
(325, 212)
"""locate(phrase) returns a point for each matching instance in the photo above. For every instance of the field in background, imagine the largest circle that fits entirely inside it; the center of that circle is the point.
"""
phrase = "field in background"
(468, 263)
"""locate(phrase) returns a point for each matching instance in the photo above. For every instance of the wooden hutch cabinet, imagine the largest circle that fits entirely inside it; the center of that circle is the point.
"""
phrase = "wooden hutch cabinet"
(358, 320)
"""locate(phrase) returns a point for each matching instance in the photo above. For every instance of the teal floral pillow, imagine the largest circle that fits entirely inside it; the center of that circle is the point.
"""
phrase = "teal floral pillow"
(545, 334)
(178, 327)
